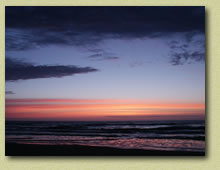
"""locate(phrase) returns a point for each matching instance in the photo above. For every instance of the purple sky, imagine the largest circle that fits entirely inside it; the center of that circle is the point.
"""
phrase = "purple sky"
(152, 53)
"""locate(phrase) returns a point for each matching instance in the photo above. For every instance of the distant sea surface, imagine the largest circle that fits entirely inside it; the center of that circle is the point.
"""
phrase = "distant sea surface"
(153, 135)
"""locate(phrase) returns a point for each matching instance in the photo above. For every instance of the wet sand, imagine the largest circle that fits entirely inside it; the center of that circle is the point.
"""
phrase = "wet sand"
(14, 149)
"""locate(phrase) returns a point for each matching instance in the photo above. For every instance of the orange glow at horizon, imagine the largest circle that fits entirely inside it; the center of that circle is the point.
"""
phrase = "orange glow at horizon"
(92, 109)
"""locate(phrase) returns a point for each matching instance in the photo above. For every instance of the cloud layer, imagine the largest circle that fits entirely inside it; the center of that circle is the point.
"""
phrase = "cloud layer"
(18, 70)
(31, 27)
(191, 48)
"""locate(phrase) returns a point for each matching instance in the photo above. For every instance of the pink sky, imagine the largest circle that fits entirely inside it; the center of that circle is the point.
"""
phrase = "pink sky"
(98, 110)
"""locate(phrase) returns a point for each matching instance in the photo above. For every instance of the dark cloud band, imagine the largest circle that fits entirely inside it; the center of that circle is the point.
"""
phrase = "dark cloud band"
(18, 70)
(9, 92)
(31, 27)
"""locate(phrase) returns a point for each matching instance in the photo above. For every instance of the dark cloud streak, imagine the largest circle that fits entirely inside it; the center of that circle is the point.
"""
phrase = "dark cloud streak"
(102, 55)
(18, 70)
(9, 92)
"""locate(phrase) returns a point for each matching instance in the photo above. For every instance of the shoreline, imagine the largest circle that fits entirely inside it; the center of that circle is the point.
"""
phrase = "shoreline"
(15, 149)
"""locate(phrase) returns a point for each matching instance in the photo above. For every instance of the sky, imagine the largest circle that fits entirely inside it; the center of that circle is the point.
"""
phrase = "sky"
(105, 63)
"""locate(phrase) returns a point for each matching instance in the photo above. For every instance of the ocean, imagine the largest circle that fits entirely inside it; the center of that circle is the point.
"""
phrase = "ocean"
(181, 135)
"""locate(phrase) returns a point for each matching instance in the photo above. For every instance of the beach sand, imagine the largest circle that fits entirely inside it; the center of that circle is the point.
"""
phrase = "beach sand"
(14, 149)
